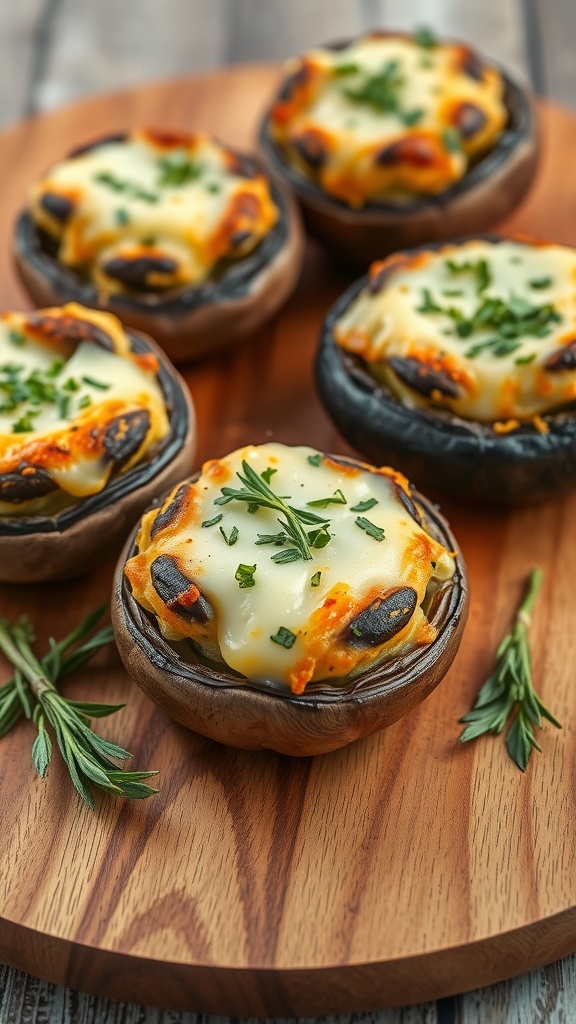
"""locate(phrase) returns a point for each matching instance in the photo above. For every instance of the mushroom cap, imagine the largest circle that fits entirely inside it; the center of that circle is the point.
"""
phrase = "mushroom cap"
(188, 322)
(434, 447)
(486, 194)
(35, 549)
(215, 701)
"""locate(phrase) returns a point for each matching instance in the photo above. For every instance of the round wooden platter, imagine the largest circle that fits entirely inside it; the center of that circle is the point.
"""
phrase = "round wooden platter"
(402, 868)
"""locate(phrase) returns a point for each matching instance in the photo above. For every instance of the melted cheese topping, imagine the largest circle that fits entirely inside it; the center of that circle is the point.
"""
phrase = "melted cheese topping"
(153, 211)
(69, 407)
(387, 118)
(312, 603)
(492, 341)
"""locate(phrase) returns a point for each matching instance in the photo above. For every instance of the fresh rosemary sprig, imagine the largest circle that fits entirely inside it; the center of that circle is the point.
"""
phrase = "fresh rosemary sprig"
(257, 494)
(32, 692)
(509, 690)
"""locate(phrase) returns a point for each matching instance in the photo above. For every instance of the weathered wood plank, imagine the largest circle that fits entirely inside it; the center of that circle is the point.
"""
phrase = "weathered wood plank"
(554, 31)
(547, 996)
(104, 45)
(494, 27)
(276, 29)
(18, 45)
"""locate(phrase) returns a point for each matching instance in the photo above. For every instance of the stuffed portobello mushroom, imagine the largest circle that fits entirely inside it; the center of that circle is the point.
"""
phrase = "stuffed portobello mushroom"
(94, 422)
(176, 233)
(290, 600)
(391, 140)
(459, 363)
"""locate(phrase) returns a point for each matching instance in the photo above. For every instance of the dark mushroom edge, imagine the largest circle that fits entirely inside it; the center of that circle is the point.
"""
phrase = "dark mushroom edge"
(211, 699)
(487, 193)
(40, 548)
(438, 450)
(190, 321)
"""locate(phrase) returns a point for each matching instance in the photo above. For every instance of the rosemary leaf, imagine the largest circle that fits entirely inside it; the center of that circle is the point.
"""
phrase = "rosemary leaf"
(89, 758)
(508, 698)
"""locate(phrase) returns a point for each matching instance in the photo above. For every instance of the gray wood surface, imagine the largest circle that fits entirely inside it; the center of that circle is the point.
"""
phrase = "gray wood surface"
(52, 51)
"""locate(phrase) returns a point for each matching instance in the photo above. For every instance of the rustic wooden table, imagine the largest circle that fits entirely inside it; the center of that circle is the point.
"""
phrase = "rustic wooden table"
(55, 50)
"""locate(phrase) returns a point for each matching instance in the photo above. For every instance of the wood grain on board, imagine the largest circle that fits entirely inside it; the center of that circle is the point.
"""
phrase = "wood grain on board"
(402, 868)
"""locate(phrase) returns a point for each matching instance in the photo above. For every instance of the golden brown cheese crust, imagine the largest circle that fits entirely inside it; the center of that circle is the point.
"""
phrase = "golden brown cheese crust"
(358, 598)
(153, 211)
(485, 329)
(389, 116)
(77, 407)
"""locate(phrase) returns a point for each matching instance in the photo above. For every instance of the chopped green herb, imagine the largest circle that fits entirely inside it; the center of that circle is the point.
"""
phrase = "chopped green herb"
(286, 555)
(121, 216)
(425, 38)
(541, 282)
(412, 117)
(451, 140)
(364, 506)
(92, 382)
(380, 91)
(268, 474)
(427, 63)
(213, 187)
(84, 402)
(232, 538)
(284, 637)
(452, 293)
(355, 630)
(315, 460)
(130, 188)
(336, 499)
(315, 581)
(63, 406)
(25, 424)
(523, 360)
(510, 320)
(428, 303)
(213, 522)
(480, 269)
(16, 338)
(55, 367)
(244, 576)
(148, 240)
(258, 494)
(71, 385)
(273, 538)
(341, 70)
(370, 528)
(176, 169)
(319, 538)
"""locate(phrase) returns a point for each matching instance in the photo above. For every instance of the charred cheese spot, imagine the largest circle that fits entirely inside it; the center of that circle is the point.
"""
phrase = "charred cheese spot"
(372, 120)
(76, 407)
(153, 210)
(68, 329)
(358, 598)
(60, 207)
(484, 329)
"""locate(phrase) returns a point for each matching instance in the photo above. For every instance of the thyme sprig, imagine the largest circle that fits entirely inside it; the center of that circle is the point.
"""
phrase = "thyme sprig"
(32, 692)
(509, 692)
(257, 493)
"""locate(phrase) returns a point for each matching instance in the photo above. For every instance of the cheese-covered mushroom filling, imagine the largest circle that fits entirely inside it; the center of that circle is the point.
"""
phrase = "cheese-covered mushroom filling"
(77, 407)
(388, 116)
(484, 329)
(153, 211)
(289, 566)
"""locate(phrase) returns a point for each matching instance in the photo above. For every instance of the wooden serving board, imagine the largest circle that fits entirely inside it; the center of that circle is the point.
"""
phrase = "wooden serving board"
(402, 868)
